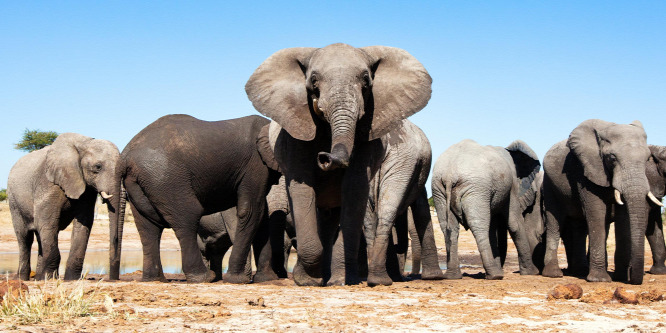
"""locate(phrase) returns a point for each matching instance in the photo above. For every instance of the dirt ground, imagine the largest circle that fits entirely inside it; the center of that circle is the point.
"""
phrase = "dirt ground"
(516, 303)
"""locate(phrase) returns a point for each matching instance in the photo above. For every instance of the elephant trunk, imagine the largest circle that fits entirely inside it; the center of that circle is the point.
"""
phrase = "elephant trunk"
(343, 131)
(116, 222)
(634, 188)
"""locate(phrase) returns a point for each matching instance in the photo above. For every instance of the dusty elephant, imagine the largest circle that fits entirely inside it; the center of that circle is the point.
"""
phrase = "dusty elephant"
(601, 168)
(332, 104)
(180, 168)
(51, 187)
(486, 189)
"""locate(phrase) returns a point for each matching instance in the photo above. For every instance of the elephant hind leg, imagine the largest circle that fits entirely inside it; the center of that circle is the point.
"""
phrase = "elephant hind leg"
(477, 214)
(150, 235)
(426, 236)
(25, 239)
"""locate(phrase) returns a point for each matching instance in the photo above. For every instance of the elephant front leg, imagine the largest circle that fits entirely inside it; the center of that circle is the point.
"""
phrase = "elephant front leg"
(263, 253)
(250, 211)
(308, 269)
(79, 244)
(355, 190)
(596, 215)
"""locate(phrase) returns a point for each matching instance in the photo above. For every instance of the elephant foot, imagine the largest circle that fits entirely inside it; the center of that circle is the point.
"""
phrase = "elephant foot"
(236, 278)
(553, 271)
(657, 270)
(453, 274)
(209, 276)
(494, 275)
(578, 270)
(282, 273)
(336, 280)
(432, 274)
(145, 278)
(529, 270)
(301, 278)
(381, 278)
(72, 276)
(263, 276)
(46, 276)
(598, 276)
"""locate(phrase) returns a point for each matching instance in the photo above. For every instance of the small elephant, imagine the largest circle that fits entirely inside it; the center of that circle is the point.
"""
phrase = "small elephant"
(656, 174)
(51, 187)
(597, 174)
(535, 227)
(486, 189)
(216, 236)
(180, 168)
(332, 104)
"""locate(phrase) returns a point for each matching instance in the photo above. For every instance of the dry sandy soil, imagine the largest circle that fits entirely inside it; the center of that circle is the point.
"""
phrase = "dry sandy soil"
(517, 303)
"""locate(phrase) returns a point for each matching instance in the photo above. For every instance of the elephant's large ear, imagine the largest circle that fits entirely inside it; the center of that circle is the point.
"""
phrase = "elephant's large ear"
(63, 166)
(584, 143)
(277, 90)
(659, 156)
(401, 87)
(527, 167)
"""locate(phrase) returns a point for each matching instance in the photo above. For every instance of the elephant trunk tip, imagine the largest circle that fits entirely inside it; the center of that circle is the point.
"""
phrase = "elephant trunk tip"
(337, 158)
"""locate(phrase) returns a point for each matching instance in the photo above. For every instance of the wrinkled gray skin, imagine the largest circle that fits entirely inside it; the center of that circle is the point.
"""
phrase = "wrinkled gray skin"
(656, 174)
(216, 235)
(51, 187)
(332, 105)
(486, 189)
(582, 175)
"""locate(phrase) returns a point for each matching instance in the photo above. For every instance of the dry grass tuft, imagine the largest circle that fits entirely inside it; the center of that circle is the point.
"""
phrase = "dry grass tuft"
(52, 301)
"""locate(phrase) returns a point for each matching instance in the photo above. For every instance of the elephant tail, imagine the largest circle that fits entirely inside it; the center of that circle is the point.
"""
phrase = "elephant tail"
(447, 188)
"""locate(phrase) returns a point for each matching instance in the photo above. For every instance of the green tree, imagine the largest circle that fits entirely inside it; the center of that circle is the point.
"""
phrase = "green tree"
(35, 139)
(431, 202)
(3, 194)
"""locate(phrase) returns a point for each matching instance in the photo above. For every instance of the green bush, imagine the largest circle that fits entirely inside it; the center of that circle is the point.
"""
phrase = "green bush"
(3, 194)
(431, 202)
(35, 139)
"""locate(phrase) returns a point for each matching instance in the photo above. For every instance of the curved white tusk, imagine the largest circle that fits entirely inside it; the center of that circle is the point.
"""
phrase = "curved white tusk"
(105, 195)
(618, 198)
(315, 105)
(654, 199)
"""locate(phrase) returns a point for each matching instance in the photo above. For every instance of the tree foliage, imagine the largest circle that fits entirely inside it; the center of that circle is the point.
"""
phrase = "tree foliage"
(431, 202)
(35, 139)
(3, 194)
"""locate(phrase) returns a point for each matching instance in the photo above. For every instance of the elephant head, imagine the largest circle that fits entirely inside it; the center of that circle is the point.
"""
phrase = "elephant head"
(656, 171)
(527, 167)
(615, 156)
(75, 162)
(361, 93)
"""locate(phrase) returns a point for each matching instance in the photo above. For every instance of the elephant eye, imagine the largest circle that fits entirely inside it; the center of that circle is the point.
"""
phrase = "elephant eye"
(366, 80)
(612, 157)
(97, 167)
(313, 81)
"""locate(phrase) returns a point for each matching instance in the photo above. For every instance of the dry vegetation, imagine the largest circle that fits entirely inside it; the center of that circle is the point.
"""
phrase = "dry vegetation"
(517, 303)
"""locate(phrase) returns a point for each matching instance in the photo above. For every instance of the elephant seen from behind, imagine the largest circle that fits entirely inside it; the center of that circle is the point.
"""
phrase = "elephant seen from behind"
(486, 189)
(330, 105)
(180, 168)
(51, 187)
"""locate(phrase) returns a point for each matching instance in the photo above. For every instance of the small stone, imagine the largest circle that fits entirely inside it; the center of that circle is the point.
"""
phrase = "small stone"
(567, 291)
(624, 296)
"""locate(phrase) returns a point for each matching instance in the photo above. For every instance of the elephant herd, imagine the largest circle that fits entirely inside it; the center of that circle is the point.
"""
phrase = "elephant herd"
(340, 173)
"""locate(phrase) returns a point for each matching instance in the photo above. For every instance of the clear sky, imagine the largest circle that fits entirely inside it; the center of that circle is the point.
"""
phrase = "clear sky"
(529, 70)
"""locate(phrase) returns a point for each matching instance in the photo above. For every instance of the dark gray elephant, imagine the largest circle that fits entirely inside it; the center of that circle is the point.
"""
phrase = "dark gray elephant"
(332, 104)
(598, 170)
(216, 236)
(51, 187)
(486, 189)
(656, 174)
(180, 168)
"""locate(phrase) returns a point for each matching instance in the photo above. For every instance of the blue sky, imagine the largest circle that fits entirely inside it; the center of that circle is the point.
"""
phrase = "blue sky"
(529, 70)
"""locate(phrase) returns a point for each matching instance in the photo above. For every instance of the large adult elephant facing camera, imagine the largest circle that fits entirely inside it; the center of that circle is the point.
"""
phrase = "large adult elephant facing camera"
(332, 104)
(51, 187)
(601, 167)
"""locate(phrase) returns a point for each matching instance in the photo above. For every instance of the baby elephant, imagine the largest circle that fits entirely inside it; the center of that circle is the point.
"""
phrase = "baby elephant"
(49, 188)
(486, 189)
